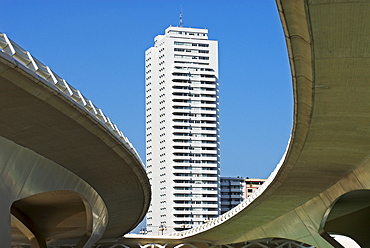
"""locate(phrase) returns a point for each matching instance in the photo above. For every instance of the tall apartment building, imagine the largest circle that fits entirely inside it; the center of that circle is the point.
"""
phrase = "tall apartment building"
(182, 130)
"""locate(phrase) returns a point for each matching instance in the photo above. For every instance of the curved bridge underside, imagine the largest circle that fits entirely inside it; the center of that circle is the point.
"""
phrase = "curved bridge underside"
(64, 177)
(328, 154)
(321, 183)
(330, 144)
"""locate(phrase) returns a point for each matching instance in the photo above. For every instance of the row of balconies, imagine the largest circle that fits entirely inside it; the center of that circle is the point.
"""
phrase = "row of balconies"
(210, 165)
(195, 212)
(194, 96)
(231, 202)
(194, 71)
(194, 110)
(190, 133)
(195, 176)
(180, 186)
(186, 92)
(231, 190)
(203, 199)
(196, 153)
(194, 116)
(211, 152)
(191, 73)
(181, 141)
(187, 177)
(194, 208)
(196, 136)
(193, 113)
(195, 120)
(194, 125)
(196, 205)
(232, 197)
(185, 75)
(195, 91)
(190, 190)
(231, 183)
(197, 148)
(204, 85)
(195, 130)
(195, 142)
(197, 171)
(193, 217)
(196, 102)
(185, 139)
(207, 162)
(198, 178)
(189, 58)
(195, 168)
(192, 106)
(187, 103)
(198, 87)
(195, 157)
(195, 184)
(186, 79)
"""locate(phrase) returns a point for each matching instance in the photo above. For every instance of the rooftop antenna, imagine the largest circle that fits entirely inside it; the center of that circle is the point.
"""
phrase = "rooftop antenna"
(180, 16)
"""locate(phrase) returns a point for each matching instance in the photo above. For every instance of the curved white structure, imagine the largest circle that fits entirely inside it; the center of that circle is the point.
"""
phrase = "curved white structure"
(68, 176)
(321, 185)
(60, 85)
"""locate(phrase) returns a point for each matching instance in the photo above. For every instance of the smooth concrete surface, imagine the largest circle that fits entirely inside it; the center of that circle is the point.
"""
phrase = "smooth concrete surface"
(328, 153)
(64, 177)
(31, 180)
(5, 227)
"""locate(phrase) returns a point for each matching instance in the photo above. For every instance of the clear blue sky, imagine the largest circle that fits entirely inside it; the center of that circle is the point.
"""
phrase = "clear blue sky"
(98, 47)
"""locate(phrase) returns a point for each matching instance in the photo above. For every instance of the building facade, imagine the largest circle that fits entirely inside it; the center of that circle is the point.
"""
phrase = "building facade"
(232, 192)
(251, 185)
(182, 130)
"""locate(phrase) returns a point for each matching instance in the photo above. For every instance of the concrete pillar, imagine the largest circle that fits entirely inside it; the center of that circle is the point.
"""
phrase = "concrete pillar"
(5, 220)
(28, 228)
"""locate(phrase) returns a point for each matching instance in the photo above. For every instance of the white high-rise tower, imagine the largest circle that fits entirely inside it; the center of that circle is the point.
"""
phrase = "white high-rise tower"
(182, 130)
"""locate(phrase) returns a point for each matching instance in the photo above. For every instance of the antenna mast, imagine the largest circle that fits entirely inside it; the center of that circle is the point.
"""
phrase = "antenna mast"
(180, 16)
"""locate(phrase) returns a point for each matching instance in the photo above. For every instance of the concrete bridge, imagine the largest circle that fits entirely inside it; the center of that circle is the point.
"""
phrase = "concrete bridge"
(322, 184)
(57, 153)
(68, 176)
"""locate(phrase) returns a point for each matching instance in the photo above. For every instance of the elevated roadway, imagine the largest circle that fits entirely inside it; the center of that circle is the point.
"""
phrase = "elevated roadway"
(319, 188)
(321, 185)
(68, 176)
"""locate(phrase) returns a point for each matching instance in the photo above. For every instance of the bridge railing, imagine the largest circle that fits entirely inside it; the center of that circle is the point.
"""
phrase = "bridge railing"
(26, 59)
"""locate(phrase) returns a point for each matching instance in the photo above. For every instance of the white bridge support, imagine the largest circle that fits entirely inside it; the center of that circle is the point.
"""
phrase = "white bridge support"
(38, 174)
